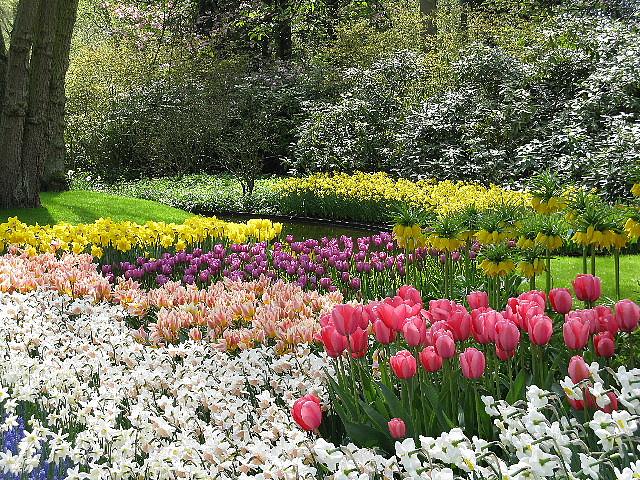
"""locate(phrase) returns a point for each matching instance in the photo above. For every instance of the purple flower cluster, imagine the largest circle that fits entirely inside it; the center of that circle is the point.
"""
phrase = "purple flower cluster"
(45, 471)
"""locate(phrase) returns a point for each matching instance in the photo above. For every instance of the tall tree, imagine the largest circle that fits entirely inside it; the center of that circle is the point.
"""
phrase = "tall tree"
(428, 10)
(283, 29)
(14, 183)
(54, 167)
(36, 131)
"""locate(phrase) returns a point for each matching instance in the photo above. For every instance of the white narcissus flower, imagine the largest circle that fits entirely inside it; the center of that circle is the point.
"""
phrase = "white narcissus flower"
(589, 466)
(600, 394)
(570, 389)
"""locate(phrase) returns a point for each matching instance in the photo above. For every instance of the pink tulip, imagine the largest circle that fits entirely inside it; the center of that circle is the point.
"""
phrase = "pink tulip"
(459, 322)
(604, 344)
(359, 343)
(536, 296)
(588, 288)
(397, 428)
(343, 319)
(540, 329)
(478, 300)
(334, 343)
(561, 300)
(578, 369)
(431, 361)
(440, 309)
(410, 293)
(613, 403)
(484, 327)
(362, 316)
(606, 321)
(393, 317)
(403, 364)
(575, 332)
(588, 315)
(307, 412)
(507, 335)
(414, 331)
(472, 362)
(444, 343)
(628, 315)
(504, 355)
(383, 334)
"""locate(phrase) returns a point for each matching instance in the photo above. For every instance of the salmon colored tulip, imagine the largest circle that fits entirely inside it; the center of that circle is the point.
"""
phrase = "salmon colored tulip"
(472, 362)
(507, 335)
(578, 369)
(403, 364)
(478, 300)
(575, 332)
(307, 412)
(343, 319)
(430, 360)
(444, 344)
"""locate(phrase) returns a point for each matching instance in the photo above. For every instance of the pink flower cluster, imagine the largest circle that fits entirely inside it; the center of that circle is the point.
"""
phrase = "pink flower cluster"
(74, 275)
(232, 314)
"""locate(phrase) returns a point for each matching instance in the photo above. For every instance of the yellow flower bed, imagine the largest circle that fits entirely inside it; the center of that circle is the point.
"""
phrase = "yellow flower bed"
(443, 197)
(125, 236)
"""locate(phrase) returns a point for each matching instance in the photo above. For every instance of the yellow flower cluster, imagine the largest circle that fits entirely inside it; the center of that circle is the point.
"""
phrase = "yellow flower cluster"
(124, 236)
(409, 236)
(443, 197)
(491, 238)
(550, 242)
(497, 269)
(600, 239)
(555, 204)
(529, 269)
(445, 244)
(635, 190)
(632, 228)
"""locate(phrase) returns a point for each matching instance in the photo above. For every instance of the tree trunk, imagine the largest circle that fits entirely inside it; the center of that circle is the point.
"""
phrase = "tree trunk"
(333, 9)
(428, 10)
(14, 191)
(54, 167)
(284, 32)
(36, 131)
(3, 67)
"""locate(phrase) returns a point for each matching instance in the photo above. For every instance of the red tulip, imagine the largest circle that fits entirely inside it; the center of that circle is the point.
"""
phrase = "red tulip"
(403, 364)
(561, 300)
(472, 362)
(407, 292)
(578, 369)
(540, 329)
(576, 404)
(343, 319)
(307, 413)
(359, 343)
(507, 335)
(588, 288)
(575, 332)
(431, 361)
(397, 428)
(444, 344)
(334, 343)
(613, 403)
(384, 334)
(478, 300)
(605, 344)
(628, 315)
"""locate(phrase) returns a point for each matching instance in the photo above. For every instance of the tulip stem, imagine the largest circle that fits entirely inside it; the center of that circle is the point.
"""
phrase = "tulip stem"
(548, 275)
(593, 260)
(584, 259)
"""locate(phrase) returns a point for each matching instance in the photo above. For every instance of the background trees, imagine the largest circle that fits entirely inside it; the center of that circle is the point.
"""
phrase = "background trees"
(32, 69)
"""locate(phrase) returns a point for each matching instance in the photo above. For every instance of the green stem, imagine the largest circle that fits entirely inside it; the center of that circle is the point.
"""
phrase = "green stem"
(616, 259)
(584, 259)
(593, 260)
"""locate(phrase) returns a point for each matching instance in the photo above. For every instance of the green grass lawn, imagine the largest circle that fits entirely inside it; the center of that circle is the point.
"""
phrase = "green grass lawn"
(80, 206)
(564, 270)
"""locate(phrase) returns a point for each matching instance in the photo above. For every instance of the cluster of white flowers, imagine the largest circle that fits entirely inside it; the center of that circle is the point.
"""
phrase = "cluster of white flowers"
(116, 409)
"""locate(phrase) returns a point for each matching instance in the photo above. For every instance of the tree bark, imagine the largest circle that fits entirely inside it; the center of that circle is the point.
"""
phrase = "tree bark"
(36, 131)
(13, 190)
(3, 66)
(54, 167)
(428, 10)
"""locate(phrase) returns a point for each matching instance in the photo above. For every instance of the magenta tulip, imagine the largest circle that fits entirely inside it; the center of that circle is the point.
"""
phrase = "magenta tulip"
(588, 288)
(628, 315)
(540, 329)
(430, 360)
(472, 362)
(403, 364)
(307, 412)
(397, 428)
(478, 300)
(561, 300)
